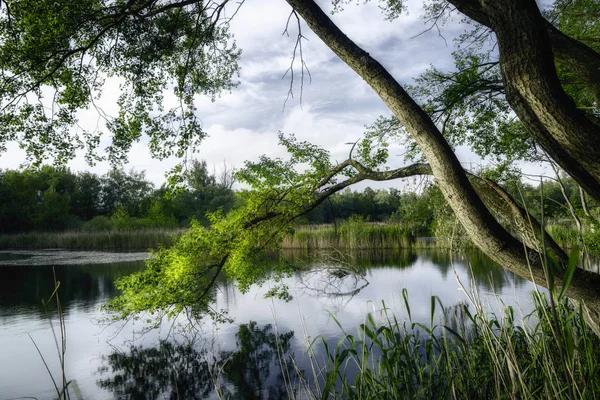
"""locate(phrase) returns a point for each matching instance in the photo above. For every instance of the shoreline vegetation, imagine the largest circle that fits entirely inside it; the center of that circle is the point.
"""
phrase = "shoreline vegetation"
(305, 237)
(355, 235)
(122, 240)
(468, 354)
(347, 235)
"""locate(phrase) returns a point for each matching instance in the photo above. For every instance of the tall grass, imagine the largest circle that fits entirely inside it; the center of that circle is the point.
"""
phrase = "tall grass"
(550, 354)
(104, 240)
(60, 386)
(353, 235)
(565, 236)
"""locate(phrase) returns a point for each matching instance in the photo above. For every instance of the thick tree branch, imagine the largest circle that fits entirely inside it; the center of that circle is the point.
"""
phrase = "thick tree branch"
(482, 227)
(581, 58)
(533, 88)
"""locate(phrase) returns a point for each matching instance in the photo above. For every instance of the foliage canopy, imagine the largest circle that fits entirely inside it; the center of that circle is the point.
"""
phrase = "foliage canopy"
(55, 57)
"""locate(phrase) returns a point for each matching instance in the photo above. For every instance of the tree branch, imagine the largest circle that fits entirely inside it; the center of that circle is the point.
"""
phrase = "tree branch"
(482, 227)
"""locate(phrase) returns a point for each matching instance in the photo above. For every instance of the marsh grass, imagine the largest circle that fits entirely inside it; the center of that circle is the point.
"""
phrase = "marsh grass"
(353, 234)
(60, 383)
(466, 352)
(550, 354)
(565, 236)
(104, 240)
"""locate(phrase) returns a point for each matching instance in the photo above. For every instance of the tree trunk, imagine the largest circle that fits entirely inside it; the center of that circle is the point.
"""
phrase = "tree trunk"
(482, 227)
(534, 90)
(524, 225)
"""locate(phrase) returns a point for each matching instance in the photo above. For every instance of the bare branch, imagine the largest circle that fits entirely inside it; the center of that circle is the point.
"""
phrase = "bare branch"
(297, 52)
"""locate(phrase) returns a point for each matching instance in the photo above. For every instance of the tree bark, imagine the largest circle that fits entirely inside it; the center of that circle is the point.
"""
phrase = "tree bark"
(523, 224)
(482, 227)
(533, 88)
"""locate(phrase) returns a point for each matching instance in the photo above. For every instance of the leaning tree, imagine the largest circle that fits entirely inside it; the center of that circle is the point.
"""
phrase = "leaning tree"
(541, 90)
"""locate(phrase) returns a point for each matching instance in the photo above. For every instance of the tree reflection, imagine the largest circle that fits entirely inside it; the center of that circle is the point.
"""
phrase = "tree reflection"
(168, 371)
(188, 371)
(23, 287)
(486, 273)
(334, 275)
(363, 258)
(254, 370)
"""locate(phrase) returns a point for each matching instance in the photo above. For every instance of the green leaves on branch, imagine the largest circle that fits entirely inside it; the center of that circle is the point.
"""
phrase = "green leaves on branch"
(470, 107)
(55, 58)
(183, 277)
(277, 173)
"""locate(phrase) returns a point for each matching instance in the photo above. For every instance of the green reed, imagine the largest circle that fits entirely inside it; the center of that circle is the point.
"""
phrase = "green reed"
(104, 240)
(549, 354)
(353, 235)
(467, 352)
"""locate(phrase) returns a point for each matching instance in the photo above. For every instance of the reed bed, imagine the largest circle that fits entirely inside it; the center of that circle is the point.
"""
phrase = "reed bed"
(548, 354)
(353, 236)
(565, 236)
(103, 240)
(568, 237)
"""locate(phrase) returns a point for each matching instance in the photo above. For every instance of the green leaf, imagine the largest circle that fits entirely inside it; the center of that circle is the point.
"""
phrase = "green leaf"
(570, 271)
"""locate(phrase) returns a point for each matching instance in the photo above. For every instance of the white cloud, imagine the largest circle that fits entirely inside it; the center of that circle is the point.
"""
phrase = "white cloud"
(337, 104)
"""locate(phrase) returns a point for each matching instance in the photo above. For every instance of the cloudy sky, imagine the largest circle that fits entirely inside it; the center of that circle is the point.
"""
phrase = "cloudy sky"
(335, 107)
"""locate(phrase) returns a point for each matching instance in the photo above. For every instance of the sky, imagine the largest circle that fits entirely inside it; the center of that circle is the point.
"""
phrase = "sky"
(336, 104)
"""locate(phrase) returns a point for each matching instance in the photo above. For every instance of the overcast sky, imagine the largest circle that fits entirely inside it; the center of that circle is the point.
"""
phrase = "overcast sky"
(335, 107)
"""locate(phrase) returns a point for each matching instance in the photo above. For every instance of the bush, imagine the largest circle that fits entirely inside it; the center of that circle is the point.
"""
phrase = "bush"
(97, 224)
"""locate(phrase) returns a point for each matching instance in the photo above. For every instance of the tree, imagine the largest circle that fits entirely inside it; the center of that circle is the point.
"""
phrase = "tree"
(154, 44)
(36, 199)
(129, 190)
(202, 193)
(55, 57)
(526, 42)
(85, 199)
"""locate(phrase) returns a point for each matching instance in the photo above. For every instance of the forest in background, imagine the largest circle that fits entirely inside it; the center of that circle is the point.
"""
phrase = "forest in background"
(51, 199)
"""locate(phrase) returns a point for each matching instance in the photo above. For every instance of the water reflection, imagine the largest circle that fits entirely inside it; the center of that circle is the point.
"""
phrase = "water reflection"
(241, 361)
(191, 371)
(22, 288)
(360, 259)
(485, 272)
(169, 370)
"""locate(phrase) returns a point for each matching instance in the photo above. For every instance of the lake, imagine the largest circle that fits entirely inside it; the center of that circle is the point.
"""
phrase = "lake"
(199, 359)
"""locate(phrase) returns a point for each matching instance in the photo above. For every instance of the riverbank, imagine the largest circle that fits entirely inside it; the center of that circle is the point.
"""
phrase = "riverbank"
(117, 240)
(348, 236)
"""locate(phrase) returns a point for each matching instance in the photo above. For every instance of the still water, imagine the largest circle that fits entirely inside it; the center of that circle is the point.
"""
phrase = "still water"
(197, 360)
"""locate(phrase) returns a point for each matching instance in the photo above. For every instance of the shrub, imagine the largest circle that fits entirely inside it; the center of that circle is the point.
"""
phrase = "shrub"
(97, 224)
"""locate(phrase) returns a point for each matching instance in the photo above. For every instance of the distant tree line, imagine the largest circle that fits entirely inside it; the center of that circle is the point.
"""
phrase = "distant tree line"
(56, 199)
(414, 210)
